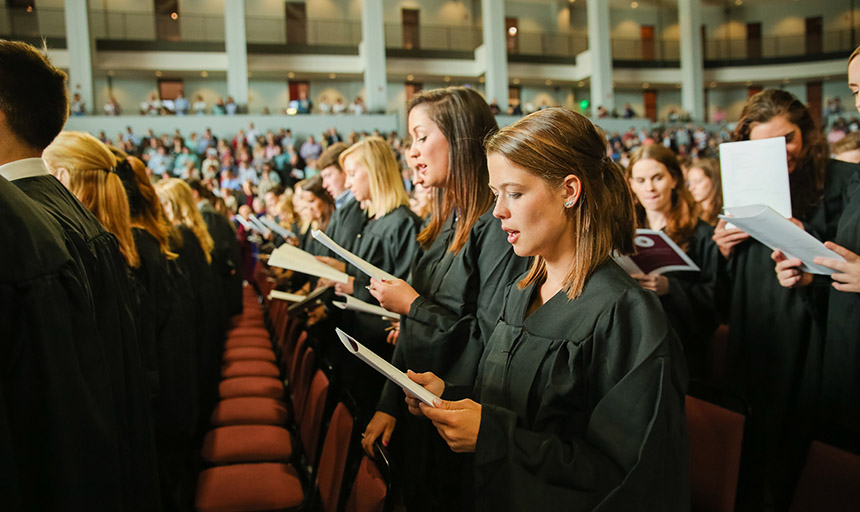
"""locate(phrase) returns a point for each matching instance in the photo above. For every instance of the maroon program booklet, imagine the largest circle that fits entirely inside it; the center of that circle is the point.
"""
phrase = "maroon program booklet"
(656, 253)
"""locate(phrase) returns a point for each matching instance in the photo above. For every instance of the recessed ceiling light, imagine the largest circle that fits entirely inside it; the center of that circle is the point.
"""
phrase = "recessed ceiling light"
(291, 75)
(204, 74)
(516, 81)
(158, 74)
(580, 84)
(447, 79)
(548, 82)
(645, 85)
(512, 31)
(332, 76)
(482, 79)
(410, 77)
(634, 5)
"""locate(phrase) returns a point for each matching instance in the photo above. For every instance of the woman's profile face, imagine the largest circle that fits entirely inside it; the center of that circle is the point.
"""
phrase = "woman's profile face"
(652, 183)
(699, 184)
(357, 180)
(780, 126)
(854, 80)
(532, 213)
(430, 148)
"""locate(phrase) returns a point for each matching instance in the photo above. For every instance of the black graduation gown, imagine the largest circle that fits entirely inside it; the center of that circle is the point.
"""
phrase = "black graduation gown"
(444, 332)
(199, 280)
(389, 243)
(774, 353)
(582, 403)
(130, 360)
(59, 440)
(346, 222)
(840, 375)
(690, 304)
(226, 259)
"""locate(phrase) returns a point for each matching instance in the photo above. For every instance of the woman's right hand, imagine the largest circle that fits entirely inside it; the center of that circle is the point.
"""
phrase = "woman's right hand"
(788, 272)
(381, 424)
(428, 381)
(727, 239)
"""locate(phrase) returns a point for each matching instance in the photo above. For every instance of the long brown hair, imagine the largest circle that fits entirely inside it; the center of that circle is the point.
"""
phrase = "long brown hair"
(807, 180)
(178, 195)
(93, 180)
(684, 215)
(314, 186)
(711, 168)
(465, 119)
(553, 144)
(143, 203)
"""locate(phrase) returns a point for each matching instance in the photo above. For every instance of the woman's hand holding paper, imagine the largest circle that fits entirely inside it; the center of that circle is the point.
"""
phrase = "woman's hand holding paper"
(345, 288)
(333, 263)
(428, 381)
(657, 283)
(395, 296)
(727, 239)
(788, 271)
(457, 422)
(847, 276)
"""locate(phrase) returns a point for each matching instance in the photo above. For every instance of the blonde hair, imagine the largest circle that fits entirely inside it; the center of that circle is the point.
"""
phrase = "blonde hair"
(854, 54)
(286, 213)
(184, 211)
(383, 173)
(92, 179)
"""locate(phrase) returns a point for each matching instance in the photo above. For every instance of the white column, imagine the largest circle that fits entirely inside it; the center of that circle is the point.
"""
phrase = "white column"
(372, 52)
(600, 48)
(495, 52)
(692, 61)
(80, 48)
(237, 51)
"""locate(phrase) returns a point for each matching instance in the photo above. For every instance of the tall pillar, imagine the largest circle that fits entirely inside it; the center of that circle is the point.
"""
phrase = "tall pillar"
(80, 47)
(692, 61)
(372, 52)
(237, 52)
(495, 52)
(600, 48)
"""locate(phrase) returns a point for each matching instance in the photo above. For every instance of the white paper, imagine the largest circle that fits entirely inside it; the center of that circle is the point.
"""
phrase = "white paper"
(262, 227)
(374, 272)
(777, 232)
(245, 224)
(290, 297)
(385, 368)
(309, 298)
(293, 258)
(277, 228)
(353, 304)
(756, 172)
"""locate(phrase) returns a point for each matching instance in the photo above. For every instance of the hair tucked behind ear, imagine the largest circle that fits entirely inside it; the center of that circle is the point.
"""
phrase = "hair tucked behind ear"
(556, 143)
(93, 181)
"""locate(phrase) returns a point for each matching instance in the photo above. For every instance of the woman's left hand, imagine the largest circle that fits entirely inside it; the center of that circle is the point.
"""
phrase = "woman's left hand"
(346, 288)
(457, 422)
(655, 282)
(395, 296)
(847, 276)
(333, 263)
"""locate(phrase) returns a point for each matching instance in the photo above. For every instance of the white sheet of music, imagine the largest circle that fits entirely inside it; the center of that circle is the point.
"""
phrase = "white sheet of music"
(352, 259)
(353, 304)
(755, 172)
(292, 258)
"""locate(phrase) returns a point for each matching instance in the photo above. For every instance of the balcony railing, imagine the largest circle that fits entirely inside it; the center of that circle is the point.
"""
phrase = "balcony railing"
(314, 32)
(146, 26)
(33, 23)
(432, 37)
(555, 44)
(660, 50)
(739, 49)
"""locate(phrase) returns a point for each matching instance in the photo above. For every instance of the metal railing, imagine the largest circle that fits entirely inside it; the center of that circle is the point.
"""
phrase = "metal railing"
(636, 49)
(147, 26)
(556, 44)
(42, 22)
(433, 37)
(731, 49)
(314, 32)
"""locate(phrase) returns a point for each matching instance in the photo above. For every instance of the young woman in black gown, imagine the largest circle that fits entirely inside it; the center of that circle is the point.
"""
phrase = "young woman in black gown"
(579, 398)
(452, 300)
(776, 334)
(662, 202)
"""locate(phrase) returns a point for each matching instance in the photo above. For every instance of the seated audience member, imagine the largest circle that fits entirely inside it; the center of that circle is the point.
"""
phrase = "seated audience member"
(847, 149)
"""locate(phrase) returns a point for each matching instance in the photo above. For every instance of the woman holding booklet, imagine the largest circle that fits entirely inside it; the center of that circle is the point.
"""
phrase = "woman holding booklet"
(661, 202)
(579, 398)
(840, 384)
(454, 295)
(775, 334)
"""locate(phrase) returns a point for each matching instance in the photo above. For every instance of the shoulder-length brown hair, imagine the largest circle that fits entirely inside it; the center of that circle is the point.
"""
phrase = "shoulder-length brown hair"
(553, 144)
(684, 215)
(143, 203)
(93, 180)
(807, 180)
(711, 169)
(465, 119)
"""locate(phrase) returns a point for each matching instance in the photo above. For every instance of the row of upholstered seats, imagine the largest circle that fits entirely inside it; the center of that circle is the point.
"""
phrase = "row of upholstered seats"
(284, 435)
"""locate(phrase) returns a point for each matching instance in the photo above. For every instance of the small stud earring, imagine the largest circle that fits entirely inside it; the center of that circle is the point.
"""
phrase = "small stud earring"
(568, 204)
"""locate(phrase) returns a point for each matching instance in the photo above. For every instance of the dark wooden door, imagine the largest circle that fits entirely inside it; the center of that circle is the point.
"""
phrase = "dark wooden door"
(411, 28)
(649, 98)
(813, 35)
(647, 33)
(754, 40)
(167, 20)
(296, 17)
(512, 32)
(813, 101)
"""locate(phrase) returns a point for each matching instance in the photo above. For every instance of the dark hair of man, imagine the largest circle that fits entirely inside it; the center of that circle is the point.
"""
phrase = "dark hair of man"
(331, 156)
(32, 94)
(553, 144)
(465, 119)
(684, 214)
(807, 180)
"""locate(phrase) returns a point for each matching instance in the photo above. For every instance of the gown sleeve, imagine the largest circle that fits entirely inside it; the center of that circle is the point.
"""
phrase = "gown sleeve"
(632, 417)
